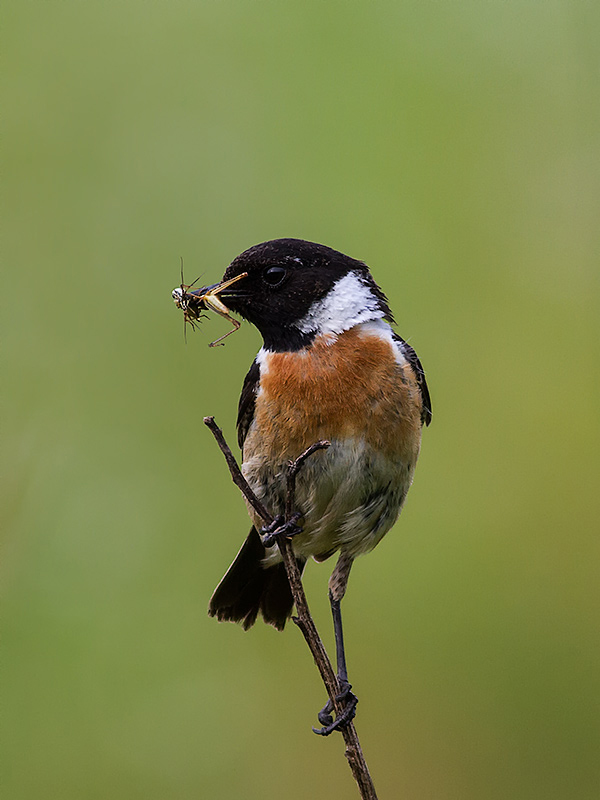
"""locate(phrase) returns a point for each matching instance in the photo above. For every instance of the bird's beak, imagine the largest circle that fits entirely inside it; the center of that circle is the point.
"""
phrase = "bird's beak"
(205, 297)
(208, 296)
(195, 301)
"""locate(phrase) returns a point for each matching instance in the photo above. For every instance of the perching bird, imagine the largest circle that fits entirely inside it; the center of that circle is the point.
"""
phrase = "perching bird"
(331, 367)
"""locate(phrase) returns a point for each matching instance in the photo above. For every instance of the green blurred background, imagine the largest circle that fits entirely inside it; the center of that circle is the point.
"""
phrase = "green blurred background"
(454, 147)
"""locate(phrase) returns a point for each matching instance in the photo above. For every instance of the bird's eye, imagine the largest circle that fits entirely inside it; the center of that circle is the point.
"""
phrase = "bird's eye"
(274, 276)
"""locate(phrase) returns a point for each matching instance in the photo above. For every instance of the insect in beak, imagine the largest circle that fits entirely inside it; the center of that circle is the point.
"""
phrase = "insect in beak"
(194, 303)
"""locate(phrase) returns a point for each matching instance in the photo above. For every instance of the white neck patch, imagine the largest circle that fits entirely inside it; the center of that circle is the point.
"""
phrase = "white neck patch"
(349, 302)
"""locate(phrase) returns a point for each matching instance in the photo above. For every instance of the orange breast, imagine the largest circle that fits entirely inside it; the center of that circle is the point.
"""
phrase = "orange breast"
(348, 387)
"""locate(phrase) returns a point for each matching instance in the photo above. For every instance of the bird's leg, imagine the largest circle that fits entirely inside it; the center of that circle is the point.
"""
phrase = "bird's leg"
(337, 589)
(279, 526)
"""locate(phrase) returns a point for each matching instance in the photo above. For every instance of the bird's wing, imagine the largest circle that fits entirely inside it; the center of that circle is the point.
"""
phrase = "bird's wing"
(247, 402)
(413, 359)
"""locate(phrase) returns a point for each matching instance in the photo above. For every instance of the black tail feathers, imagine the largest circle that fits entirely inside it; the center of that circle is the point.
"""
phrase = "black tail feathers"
(248, 588)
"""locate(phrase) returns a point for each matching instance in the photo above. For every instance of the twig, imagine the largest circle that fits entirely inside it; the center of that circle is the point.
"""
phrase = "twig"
(236, 472)
(304, 620)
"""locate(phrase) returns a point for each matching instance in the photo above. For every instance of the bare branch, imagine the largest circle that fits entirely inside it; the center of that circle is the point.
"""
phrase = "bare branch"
(304, 620)
(236, 472)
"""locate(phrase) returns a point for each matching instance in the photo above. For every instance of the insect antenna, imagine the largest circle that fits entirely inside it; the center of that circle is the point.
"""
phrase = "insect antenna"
(190, 316)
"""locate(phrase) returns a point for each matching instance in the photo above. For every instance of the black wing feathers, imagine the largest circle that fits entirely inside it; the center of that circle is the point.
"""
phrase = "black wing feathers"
(413, 360)
(247, 402)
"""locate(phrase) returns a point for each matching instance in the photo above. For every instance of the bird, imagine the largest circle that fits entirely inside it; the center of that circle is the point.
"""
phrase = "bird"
(331, 367)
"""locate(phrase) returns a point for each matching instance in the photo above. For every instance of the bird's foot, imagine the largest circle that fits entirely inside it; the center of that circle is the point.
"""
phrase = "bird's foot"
(278, 527)
(330, 724)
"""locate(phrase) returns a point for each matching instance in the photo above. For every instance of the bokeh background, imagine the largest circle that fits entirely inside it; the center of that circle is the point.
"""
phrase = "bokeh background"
(454, 147)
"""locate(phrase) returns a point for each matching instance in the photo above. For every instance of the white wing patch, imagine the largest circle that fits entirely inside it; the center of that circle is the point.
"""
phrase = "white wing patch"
(377, 327)
(261, 359)
(383, 330)
(349, 303)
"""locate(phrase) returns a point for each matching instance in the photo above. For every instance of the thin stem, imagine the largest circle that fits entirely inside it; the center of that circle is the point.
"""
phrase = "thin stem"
(304, 620)
(236, 472)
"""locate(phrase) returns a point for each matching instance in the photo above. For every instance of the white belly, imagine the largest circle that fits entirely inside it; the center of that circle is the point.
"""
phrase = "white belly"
(349, 495)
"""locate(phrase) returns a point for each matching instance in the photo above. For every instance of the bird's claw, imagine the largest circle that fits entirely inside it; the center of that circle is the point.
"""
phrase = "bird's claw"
(330, 724)
(278, 527)
(324, 715)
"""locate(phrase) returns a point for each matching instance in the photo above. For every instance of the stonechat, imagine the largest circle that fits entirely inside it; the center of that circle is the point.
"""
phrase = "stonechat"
(331, 367)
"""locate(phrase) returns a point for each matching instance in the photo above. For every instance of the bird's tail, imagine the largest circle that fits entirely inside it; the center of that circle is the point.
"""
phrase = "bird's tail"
(248, 588)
